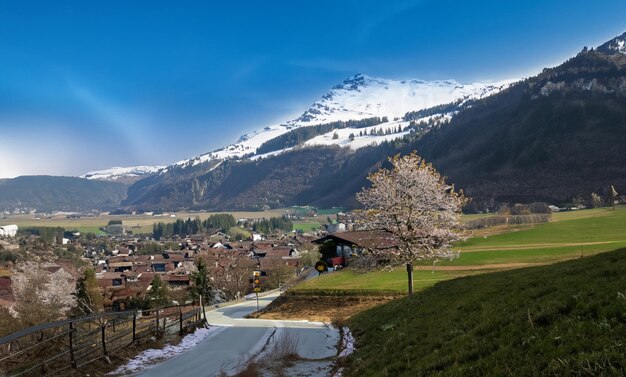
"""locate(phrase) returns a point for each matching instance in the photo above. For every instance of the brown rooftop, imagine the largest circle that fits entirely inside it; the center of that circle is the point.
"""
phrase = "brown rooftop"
(369, 239)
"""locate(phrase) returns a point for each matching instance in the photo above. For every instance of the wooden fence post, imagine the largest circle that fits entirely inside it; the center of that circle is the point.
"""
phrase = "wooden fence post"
(180, 314)
(71, 333)
(157, 323)
(104, 342)
(134, 326)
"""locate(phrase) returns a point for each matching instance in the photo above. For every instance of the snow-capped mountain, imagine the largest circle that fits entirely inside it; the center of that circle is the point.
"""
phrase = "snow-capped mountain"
(614, 46)
(120, 174)
(363, 96)
(359, 97)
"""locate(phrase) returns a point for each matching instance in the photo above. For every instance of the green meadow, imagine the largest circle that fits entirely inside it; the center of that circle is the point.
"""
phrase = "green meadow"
(390, 281)
(563, 319)
(563, 314)
(568, 235)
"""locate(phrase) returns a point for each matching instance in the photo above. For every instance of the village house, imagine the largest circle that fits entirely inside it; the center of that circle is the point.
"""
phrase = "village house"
(352, 243)
(8, 230)
(111, 280)
(177, 280)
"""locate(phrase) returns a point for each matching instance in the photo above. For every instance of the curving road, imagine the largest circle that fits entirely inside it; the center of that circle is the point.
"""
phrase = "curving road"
(235, 340)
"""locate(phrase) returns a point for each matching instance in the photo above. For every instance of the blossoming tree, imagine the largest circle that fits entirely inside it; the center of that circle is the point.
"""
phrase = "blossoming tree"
(417, 207)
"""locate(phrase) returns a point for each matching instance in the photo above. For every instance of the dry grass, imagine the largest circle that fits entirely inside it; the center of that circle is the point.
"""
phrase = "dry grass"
(319, 308)
(285, 347)
(282, 355)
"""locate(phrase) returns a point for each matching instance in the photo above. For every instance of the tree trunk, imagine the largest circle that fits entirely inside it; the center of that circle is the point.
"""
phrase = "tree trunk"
(409, 270)
(204, 321)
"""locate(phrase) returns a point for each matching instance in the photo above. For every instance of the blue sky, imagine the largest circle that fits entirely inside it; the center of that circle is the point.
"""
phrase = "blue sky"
(86, 86)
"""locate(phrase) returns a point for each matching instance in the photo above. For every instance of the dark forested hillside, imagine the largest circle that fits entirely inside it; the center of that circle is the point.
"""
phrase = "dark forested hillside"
(303, 176)
(47, 193)
(232, 184)
(555, 137)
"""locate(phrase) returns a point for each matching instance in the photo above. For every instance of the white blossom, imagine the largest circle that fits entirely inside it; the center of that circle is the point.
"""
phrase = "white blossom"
(41, 295)
(413, 203)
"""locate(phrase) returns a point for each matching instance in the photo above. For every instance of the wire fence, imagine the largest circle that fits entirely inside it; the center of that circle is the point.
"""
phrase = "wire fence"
(55, 348)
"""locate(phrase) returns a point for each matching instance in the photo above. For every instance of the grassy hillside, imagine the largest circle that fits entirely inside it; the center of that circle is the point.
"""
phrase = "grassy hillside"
(385, 281)
(569, 235)
(533, 143)
(564, 319)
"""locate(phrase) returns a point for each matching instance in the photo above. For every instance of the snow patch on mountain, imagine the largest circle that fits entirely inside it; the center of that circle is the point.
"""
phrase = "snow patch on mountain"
(616, 45)
(364, 96)
(246, 145)
(362, 137)
(120, 173)
(358, 97)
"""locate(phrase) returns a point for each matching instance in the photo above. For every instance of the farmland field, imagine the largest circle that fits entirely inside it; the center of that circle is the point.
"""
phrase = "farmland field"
(393, 281)
(568, 235)
(307, 225)
(137, 223)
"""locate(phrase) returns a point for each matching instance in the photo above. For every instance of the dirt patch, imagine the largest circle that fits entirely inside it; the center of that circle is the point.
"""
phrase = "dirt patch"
(319, 308)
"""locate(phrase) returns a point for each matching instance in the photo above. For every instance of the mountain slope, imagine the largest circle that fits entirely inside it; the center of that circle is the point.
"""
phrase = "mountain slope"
(357, 98)
(123, 175)
(363, 96)
(48, 193)
(283, 164)
(554, 137)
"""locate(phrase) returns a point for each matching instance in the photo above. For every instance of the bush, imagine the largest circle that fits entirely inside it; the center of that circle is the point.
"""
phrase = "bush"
(538, 207)
(8, 256)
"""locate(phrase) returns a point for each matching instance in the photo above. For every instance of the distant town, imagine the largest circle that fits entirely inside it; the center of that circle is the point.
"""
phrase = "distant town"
(125, 262)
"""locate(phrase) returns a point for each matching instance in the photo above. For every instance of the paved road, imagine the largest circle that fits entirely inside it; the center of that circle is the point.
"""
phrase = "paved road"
(236, 340)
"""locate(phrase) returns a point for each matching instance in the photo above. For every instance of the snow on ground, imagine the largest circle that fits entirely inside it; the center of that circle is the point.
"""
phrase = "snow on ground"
(316, 352)
(346, 348)
(269, 154)
(347, 342)
(247, 144)
(343, 136)
(362, 137)
(151, 357)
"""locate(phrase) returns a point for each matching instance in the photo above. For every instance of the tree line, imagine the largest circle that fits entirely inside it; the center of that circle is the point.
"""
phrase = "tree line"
(222, 222)
(272, 224)
(300, 135)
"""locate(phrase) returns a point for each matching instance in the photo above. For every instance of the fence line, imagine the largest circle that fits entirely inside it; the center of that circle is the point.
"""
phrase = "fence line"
(55, 347)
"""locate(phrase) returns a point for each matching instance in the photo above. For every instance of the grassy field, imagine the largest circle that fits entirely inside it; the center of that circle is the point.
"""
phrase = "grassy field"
(394, 281)
(235, 230)
(569, 235)
(136, 223)
(565, 319)
(330, 211)
(307, 225)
